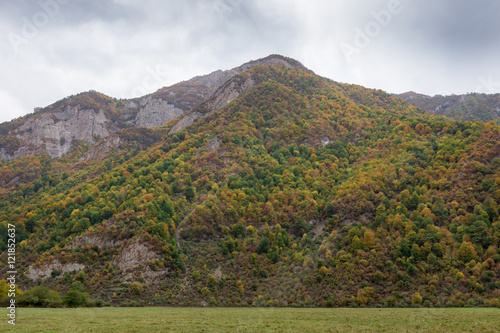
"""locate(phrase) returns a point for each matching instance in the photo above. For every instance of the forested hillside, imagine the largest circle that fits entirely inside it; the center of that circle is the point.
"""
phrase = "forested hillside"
(301, 192)
(469, 107)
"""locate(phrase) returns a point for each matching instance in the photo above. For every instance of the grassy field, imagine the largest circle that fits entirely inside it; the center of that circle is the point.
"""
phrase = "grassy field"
(253, 320)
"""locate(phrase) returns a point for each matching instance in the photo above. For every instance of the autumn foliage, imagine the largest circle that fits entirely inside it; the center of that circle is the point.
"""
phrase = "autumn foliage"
(320, 194)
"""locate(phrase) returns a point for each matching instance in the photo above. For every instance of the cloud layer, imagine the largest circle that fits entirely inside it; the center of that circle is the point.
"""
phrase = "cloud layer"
(124, 48)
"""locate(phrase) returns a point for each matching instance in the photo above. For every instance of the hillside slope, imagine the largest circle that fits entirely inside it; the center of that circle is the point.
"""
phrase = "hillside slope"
(298, 192)
(469, 107)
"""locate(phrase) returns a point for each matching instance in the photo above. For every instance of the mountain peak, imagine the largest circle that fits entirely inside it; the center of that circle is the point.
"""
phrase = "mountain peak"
(274, 60)
(46, 131)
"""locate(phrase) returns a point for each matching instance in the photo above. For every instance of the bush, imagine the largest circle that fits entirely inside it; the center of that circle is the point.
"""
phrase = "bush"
(416, 299)
(135, 304)
(94, 302)
(55, 273)
(136, 288)
(212, 280)
(427, 304)
(80, 276)
(40, 297)
(75, 298)
(402, 304)
(471, 303)
(390, 301)
(494, 302)
(196, 275)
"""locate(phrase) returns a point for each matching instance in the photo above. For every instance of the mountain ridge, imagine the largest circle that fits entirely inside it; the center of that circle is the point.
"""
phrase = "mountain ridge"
(44, 133)
(152, 110)
(464, 107)
(300, 192)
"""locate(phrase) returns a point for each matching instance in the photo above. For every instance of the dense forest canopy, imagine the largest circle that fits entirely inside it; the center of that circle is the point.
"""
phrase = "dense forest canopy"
(301, 192)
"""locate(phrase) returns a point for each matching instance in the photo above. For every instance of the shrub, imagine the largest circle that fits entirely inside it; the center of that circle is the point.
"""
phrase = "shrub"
(427, 304)
(365, 295)
(196, 275)
(416, 299)
(75, 298)
(390, 301)
(40, 297)
(494, 302)
(323, 270)
(212, 280)
(136, 288)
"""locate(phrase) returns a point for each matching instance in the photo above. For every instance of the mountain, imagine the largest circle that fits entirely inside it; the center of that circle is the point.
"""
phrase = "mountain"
(91, 116)
(469, 107)
(280, 188)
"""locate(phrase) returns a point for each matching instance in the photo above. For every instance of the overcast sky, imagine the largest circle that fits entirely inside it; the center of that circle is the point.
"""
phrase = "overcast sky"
(50, 49)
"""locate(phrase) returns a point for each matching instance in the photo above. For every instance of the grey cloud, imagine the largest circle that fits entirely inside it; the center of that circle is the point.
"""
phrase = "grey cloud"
(445, 46)
(469, 26)
(72, 12)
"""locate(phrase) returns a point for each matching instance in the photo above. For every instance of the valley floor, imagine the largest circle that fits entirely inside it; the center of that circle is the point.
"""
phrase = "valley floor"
(253, 320)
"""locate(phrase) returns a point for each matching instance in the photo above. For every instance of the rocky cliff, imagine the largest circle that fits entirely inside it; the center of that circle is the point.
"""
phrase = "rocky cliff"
(54, 133)
(156, 112)
(92, 116)
(231, 88)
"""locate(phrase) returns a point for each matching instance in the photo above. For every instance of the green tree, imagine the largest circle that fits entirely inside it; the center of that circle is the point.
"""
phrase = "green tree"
(478, 231)
(466, 252)
(40, 296)
(238, 230)
(75, 298)
(264, 245)
(190, 193)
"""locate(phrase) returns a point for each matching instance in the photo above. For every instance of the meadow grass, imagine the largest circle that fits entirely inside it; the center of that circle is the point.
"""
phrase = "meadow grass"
(192, 320)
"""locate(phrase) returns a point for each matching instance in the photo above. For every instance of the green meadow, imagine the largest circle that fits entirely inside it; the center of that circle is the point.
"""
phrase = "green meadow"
(156, 319)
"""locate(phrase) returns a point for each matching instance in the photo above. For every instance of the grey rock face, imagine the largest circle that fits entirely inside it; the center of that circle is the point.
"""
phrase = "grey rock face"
(131, 105)
(34, 273)
(222, 97)
(228, 93)
(4, 155)
(155, 113)
(224, 90)
(213, 144)
(214, 80)
(53, 133)
(134, 254)
(185, 121)
(102, 148)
